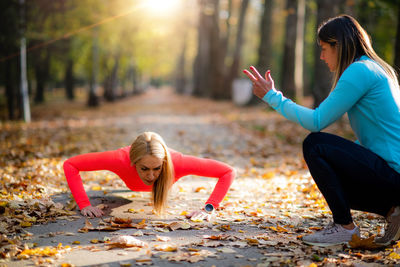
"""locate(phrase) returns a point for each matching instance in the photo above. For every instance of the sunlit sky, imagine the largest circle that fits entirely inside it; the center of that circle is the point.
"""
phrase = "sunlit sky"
(160, 7)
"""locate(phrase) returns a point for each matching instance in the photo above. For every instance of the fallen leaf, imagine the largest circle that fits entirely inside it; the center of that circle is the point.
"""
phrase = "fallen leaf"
(179, 225)
(163, 238)
(166, 247)
(125, 241)
(363, 243)
(88, 227)
(394, 256)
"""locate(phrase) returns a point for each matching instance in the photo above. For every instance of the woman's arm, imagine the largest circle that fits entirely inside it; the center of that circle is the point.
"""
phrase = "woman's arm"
(190, 165)
(87, 162)
(349, 89)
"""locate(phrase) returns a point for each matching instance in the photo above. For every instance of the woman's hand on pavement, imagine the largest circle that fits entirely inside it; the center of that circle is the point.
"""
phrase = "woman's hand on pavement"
(200, 215)
(261, 85)
(91, 211)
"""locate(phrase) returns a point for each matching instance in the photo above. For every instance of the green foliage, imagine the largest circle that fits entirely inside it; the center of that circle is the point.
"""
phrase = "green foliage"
(150, 40)
(379, 18)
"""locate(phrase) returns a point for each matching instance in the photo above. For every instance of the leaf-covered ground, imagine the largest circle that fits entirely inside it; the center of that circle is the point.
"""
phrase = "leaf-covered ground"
(271, 204)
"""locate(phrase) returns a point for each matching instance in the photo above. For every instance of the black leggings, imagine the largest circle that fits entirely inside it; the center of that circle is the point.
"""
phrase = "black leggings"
(350, 176)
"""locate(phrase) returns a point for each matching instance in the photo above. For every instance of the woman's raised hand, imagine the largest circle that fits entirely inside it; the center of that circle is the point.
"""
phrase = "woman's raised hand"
(261, 85)
(91, 211)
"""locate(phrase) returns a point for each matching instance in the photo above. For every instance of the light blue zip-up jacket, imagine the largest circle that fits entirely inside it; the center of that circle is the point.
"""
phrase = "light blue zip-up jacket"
(371, 100)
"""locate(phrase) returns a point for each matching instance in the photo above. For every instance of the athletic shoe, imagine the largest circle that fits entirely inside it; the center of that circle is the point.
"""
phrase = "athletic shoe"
(392, 231)
(333, 234)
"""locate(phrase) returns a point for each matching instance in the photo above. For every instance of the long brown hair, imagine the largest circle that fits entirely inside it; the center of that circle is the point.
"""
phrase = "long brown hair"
(351, 42)
(150, 143)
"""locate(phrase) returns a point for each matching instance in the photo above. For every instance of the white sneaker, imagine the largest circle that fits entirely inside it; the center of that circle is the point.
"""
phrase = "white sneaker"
(392, 231)
(333, 234)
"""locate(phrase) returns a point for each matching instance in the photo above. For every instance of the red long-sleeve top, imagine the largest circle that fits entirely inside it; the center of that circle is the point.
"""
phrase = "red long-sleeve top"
(118, 162)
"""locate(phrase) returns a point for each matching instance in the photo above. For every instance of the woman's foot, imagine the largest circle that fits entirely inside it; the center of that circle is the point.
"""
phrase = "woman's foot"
(392, 231)
(333, 234)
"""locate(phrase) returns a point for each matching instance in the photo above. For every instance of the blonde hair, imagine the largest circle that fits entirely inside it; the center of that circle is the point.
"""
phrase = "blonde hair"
(150, 143)
(351, 42)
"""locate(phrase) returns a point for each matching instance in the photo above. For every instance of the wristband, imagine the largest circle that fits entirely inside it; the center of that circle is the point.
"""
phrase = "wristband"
(209, 208)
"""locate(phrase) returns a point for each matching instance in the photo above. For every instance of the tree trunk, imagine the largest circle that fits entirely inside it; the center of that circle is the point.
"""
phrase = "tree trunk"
(323, 78)
(111, 82)
(224, 36)
(264, 49)
(201, 63)
(299, 51)
(180, 68)
(288, 85)
(93, 100)
(234, 69)
(11, 88)
(10, 21)
(226, 33)
(134, 79)
(42, 64)
(25, 105)
(215, 70)
(69, 80)
(265, 45)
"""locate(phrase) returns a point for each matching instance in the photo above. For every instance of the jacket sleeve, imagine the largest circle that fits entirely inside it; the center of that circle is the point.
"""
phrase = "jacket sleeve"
(190, 165)
(87, 162)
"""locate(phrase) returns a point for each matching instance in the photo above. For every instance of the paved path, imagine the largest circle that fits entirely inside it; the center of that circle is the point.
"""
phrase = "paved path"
(248, 227)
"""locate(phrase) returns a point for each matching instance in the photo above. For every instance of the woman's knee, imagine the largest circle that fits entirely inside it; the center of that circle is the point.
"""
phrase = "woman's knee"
(311, 140)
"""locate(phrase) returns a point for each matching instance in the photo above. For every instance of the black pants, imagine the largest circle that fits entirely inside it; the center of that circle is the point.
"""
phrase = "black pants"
(350, 176)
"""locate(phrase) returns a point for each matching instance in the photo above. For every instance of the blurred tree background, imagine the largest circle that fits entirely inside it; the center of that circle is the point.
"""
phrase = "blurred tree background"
(104, 50)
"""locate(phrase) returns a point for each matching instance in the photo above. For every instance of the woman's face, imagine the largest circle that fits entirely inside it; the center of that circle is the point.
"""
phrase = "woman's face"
(329, 55)
(149, 168)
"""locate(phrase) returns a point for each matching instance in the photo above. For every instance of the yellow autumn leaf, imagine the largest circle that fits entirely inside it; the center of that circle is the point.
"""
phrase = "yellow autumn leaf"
(96, 188)
(281, 229)
(47, 251)
(76, 242)
(394, 256)
(26, 224)
(268, 175)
